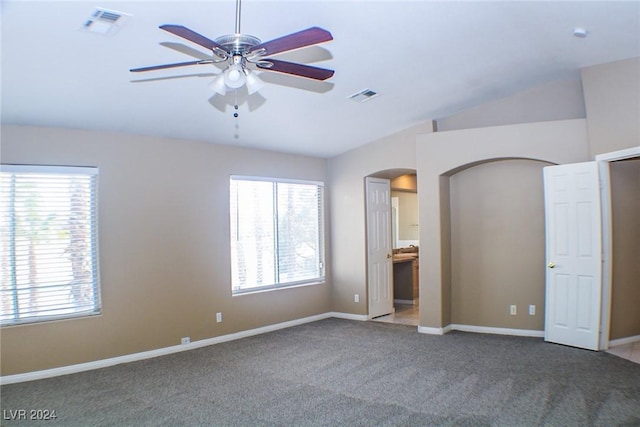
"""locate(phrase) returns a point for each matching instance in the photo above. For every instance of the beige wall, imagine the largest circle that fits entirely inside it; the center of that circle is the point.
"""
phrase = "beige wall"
(348, 239)
(625, 210)
(612, 99)
(556, 100)
(441, 155)
(498, 244)
(163, 242)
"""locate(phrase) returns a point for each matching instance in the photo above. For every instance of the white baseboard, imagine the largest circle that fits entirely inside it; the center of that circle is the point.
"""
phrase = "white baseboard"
(498, 331)
(104, 363)
(433, 331)
(348, 316)
(480, 329)
(623, 341)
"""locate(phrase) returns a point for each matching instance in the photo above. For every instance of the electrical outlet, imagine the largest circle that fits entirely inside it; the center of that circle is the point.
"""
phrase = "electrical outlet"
(185, 340)
(219, 317)
(513, 310)
(356, 298)
(532, 310)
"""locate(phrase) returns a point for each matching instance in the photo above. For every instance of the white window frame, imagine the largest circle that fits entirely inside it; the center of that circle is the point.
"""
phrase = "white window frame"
(236, 290)
(94, 306)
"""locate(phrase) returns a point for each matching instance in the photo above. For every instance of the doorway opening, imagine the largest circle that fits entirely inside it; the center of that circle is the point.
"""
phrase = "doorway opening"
(617, 227)
(620, 326)
(402, 252)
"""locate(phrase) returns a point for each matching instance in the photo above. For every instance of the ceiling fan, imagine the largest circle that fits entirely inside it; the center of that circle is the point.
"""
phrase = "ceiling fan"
(240, 50)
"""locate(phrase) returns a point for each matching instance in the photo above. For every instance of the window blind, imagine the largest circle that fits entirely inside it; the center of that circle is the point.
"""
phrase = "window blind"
(48, 248)
(277, 233)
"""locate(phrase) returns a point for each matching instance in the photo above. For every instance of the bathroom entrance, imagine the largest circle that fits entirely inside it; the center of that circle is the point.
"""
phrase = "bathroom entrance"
(405, 246)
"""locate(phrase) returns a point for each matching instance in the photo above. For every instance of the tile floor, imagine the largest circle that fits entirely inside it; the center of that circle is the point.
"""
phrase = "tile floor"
(629, 351)
(405, 314)
(408, 315)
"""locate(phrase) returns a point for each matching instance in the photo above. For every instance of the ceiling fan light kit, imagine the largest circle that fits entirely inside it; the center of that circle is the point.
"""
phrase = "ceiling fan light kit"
(240, 51)
(234, 76)
(254, 83)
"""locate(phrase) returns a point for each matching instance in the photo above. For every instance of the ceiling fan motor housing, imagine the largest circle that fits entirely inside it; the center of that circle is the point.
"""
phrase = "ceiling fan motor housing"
(237, 44)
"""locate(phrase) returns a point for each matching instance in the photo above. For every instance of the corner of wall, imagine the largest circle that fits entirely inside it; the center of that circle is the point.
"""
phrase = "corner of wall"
(612, 103)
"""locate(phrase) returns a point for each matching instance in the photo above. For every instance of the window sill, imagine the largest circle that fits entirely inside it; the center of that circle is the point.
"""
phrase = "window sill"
(51, 319)
(277, 288)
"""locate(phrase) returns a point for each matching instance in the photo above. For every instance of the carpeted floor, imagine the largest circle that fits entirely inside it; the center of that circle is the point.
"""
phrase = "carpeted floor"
(340, 372)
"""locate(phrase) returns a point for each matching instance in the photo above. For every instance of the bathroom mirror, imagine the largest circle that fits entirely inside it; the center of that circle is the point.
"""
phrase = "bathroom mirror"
(404, 218)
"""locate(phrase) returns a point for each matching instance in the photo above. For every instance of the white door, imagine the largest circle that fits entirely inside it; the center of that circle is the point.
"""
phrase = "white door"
(574, 255)
(379, 247)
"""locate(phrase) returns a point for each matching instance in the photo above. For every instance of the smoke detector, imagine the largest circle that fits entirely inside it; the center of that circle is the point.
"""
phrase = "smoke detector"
(580, 32)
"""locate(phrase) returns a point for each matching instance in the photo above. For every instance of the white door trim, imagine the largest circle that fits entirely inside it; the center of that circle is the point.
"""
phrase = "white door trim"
(603, 161)
(628, 153)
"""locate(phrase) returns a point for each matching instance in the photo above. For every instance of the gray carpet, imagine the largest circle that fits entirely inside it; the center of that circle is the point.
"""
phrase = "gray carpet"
(341, 372)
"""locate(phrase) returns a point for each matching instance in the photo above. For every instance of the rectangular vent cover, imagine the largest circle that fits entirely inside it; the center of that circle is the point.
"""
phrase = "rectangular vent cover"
(104, 15)
(363, 95)
(106, 22)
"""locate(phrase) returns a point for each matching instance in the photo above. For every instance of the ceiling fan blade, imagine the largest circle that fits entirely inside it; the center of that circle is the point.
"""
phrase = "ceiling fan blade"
(174, 77)
(308, 37)
(192, 36)
(295, 69)
(178, 64)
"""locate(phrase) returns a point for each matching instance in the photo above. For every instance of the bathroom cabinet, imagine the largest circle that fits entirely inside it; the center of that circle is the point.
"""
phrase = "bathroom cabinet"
(405, 279)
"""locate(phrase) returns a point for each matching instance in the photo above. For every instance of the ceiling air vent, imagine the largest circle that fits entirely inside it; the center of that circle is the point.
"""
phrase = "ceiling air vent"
(106, 22)
(363, 95)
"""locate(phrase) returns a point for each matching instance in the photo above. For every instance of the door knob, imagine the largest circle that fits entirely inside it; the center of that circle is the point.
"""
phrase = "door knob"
(551, 265)
(388, 256)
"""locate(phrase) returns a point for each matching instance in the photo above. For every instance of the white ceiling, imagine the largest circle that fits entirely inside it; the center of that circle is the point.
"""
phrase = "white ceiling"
(427, 60)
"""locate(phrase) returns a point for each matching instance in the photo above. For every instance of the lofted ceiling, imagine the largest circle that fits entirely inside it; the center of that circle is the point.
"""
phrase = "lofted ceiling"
(425, 59)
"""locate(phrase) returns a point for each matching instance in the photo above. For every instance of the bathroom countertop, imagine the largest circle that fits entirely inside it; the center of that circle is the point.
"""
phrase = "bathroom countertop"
(404, 257)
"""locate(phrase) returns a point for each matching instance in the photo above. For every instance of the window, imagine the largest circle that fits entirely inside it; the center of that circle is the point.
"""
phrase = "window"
(48, 247)
(276, 233)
